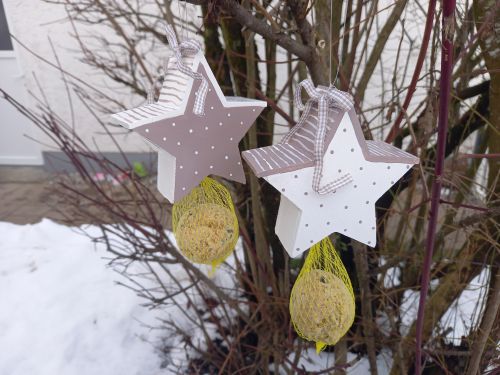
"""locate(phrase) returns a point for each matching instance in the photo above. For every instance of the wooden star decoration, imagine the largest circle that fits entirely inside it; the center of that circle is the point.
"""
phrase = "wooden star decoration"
(365, 171)
(191, 147)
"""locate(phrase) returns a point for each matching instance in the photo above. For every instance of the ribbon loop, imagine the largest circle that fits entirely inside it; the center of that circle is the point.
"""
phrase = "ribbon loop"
(189, 47)
(337, 98)
(324, 97)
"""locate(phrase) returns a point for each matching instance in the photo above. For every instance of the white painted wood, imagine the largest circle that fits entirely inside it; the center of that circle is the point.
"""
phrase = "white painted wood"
(287, 223)
(306, 217)
(166, 179)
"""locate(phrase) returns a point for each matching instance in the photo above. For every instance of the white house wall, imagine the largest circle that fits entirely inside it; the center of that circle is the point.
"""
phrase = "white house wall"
(33, 23)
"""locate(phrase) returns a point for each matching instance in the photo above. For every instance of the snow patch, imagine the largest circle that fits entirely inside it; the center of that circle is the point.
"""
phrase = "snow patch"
(61, 310)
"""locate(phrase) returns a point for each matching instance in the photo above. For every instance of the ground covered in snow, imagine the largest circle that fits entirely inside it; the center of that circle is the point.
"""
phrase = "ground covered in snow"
(62, 312)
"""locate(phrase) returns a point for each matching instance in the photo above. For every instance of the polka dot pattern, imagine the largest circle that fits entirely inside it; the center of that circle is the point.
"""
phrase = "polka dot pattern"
(202, 145)
(349, 210)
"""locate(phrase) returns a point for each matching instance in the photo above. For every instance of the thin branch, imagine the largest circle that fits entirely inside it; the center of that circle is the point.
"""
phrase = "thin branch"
(416, 73)
(444, 100)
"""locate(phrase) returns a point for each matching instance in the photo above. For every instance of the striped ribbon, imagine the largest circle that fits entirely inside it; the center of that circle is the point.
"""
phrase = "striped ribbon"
(189, 46)
(325, 97)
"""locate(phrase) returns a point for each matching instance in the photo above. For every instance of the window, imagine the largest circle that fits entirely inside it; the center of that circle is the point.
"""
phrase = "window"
(5, 42)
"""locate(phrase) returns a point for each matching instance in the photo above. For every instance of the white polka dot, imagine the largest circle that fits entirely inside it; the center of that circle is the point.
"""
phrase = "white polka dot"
(226, 157)
(253, 109)
(212, 107)
(212, 147)
(196, 152)
(241, 122)
(231, 138)
(209, 89)
(190, 130)
(147, 130)
(206, 127)
(181, 166)
(220, 123)
(211, 167)
(230, 175)
(228, 115)
(239, 163)
(195, 172)
(173, 124)
(178, 143)
(164, 138)
(183, 188)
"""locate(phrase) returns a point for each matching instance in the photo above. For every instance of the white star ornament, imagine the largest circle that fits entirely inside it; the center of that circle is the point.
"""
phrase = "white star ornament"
(329, 176)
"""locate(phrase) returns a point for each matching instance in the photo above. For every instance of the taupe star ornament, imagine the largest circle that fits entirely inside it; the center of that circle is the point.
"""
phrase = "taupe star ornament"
(196, 132)
(329, 176)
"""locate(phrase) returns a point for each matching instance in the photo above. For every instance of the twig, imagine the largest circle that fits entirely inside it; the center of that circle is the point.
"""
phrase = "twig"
(416, 73)
(479, 156)
(360, 258)
(493, 306)
(444, 99)
(378, 48)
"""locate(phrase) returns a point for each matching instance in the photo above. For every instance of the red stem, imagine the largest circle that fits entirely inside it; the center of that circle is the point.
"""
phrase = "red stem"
(416, 73)
(444, 99)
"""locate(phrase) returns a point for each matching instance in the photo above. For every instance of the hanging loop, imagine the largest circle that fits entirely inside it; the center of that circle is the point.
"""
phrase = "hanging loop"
(189, 47)
(335, 97)
(325, 97)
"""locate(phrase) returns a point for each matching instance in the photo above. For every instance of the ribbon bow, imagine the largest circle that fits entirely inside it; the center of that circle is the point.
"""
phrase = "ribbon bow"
(325, 97)
(189, 47)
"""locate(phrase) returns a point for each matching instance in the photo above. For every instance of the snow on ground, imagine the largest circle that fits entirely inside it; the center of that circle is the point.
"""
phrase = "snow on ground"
(462, 315)
(310, 361)
(61, 311)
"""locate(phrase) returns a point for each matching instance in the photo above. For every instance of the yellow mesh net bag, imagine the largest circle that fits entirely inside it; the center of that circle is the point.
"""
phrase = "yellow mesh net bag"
(322, 304)
(205, 223)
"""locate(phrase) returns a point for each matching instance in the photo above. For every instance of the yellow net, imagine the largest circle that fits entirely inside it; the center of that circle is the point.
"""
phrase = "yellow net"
(205, 224)
(322, 304)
